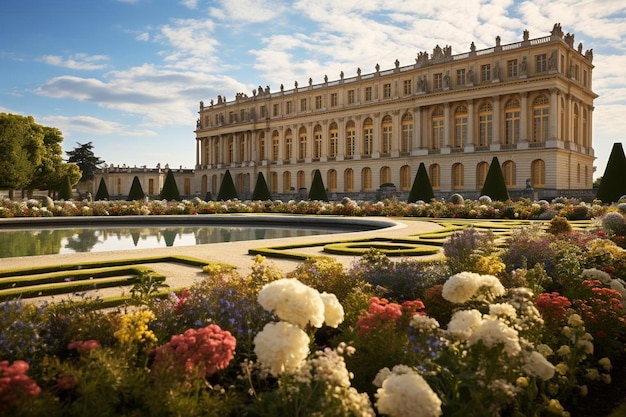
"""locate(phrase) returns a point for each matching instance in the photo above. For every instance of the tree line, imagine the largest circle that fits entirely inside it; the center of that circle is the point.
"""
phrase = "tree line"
(31, 157)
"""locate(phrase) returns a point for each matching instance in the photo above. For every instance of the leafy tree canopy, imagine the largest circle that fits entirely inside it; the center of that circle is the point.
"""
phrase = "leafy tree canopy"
(83, 156)
(21, 149)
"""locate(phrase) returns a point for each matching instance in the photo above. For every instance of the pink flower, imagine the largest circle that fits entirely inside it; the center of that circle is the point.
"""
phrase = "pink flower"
(15, 384)
(84, 346)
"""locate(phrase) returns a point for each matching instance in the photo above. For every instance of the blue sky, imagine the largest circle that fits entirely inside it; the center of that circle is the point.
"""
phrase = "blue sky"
(128, 75)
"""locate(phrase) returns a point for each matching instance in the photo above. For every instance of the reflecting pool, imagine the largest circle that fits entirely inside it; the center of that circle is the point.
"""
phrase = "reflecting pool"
(52, 241)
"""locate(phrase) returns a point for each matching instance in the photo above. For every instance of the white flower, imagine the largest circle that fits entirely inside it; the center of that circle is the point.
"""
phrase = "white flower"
(420, 322)
(495, 332)
(593, 274)
(407, 395)
(463, 323)
(333, 311)
(293, 301)
(281, 346)
(461, 287)
(490, 287)
(381, 376)
(605, 363)
(537, 365)
(503, 310)
(575, 320)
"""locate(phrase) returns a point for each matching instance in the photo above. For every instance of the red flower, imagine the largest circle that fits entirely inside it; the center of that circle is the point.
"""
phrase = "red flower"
(15, 384)
(552, 305)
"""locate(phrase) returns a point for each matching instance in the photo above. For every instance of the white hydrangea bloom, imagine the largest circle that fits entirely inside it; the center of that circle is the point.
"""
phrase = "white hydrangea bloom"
(293, 301)
(461, 287)
(407, 395)
(494, 332)
(503, 310)
(490, 287)
(537, 365)
(333, 311)
(463, 323)
(423, 323)
(281, 347)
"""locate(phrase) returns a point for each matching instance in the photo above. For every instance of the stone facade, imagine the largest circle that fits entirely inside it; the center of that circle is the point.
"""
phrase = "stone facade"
(120, 178)
(529, 103)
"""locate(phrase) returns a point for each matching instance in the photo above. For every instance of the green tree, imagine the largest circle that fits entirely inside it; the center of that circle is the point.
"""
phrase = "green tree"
(170, 189)
(227, 188)
(103, 191)
(83, 156)
(495, 186)
(21, 146)
(421, 189)
(136, 192)
(261, 190)
(52, 170)
(613, 186)
(317, 192)
(65, 191)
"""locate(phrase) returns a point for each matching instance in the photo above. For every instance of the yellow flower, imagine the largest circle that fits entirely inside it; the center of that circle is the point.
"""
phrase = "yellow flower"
(566, 331)
(564, 350)
(555, 407)
(575, 320)
(605, 363)
(522, 382)
(593, 374)
(562, 368)
(134, 327)
(583, 390)
(606, 378)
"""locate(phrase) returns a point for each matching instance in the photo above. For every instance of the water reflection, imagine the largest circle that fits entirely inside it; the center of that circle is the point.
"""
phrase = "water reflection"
(55, 241)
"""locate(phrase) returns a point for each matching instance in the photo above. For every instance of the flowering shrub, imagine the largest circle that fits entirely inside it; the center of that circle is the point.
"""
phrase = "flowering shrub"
(15, 384)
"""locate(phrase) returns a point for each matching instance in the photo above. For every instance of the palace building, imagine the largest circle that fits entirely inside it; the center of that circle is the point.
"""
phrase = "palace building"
(528, 103)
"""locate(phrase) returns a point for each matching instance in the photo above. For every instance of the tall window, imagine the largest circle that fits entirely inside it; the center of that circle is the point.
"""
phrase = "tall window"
(368, 93)
(332, 180)
(289, 107)
(387, 90)
(288, 145)
(433, 174)
(481, 174)
(303, 104)
(407, 87)
(511, 122)
(334, 100)
(318, 102)
(242, 148)
(286, 182)
(511, 68)
(350, 139)
(460, 77)
(348, 180)
(538, 173)
(541, 63)
(387, 134)
(366, 179)
(301, 180)
(485, 123)
(333, 140)
(407, 133)
(151, 186)
(436, 136)
(541, 110)
(405, 177)
(368, 137)
(350, 96)
(460, 127)
(274, 182)
(317, 142)
(231, 150)
(262, 147)
(275, 145)
(302, 144)
(509, 172)
(457, 176)
(437, 81)
(385, 175)
(585, 133)
(576, 124)
(275, 109)
(485, 72)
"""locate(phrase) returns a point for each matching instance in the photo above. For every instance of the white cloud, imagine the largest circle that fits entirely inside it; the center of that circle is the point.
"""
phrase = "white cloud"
(248, 11)
(93, 126)
(80, 61)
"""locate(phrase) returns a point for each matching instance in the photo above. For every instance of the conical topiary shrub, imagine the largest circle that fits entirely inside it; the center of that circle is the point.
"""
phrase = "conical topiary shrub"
(65, 191)
(421, 189)
(227, 188)
(612, 186)
(170, 189)
(317, 191)
(136, 192)
(494, 185)
(261, 191)
(208, 196)
(103, 192)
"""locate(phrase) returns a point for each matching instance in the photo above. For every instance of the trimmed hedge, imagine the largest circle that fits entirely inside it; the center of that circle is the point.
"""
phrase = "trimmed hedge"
(170, 189)
(421, 189)
(227, 188)
(318, 192)
(136, 192)
(103, 192)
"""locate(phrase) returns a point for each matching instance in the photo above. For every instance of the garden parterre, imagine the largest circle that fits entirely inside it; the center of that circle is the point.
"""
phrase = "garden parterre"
(534, 327)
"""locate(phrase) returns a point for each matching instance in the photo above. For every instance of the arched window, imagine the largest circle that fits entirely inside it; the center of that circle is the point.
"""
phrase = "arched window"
(350, 139)
(386, 138)
(231, 145)
(274, 182)
(317, 143)
(332, 180)
(457, 176)
(509, 172)
(214, 186)
(333, 140)
(301, 180)
(485, 123)
(576, 124)
(585, 127)
(287, 182)
(366, 179)
(541, 112)
(261, 146)
(288, 145)
(275, 145)
(481, 174)
(241, 147)
(348, 180)
(407, 133)
(460, 127)
(562, 120)
(511, 122)
(216, 152)
(538, 173)
(405, 178)
(436, 134)
(302, 144)
(368, 137)
(433, 174)
(205, 184)
(385, 175)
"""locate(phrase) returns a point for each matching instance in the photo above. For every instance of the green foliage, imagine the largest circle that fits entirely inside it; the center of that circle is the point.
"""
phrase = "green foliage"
(494, 186)
(84, 157)
(147, 287)
(613, 186)
(421, 189)
(317, 192)
(227, 188)
(103, 192)
(261, 191)
(50, 173)
(136, 192)
(65, 192)
(170, 189)
(21, 147)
